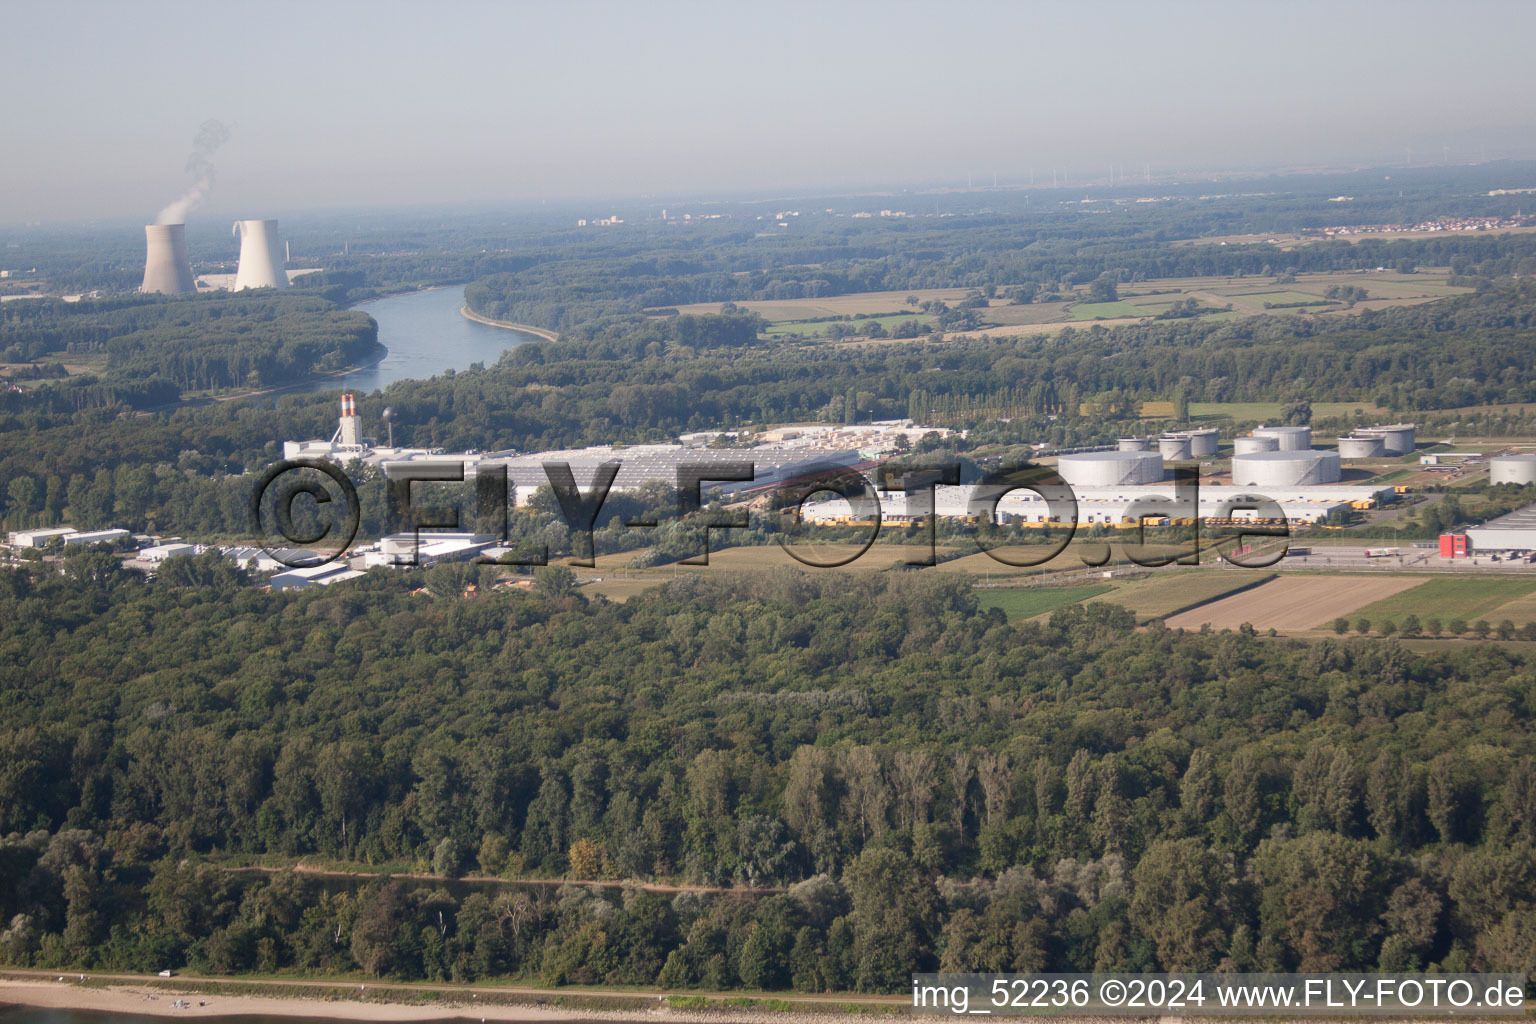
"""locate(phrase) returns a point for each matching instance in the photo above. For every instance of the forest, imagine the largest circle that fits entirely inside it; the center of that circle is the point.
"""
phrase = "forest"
(914, 782)
(155, 348)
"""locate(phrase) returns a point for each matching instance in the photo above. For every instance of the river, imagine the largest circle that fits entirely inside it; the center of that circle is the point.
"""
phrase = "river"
(425, 335)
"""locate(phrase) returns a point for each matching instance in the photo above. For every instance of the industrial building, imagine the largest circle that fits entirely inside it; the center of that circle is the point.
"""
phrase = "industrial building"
(640, 465)
(1287, 439)
(314, 576)
(1513, 532)
(261, 256)
(428, 548)
(37, 538)
(1512, 469)
(66, 535)
(1285, 468)
(1110, 469)
(94, 536)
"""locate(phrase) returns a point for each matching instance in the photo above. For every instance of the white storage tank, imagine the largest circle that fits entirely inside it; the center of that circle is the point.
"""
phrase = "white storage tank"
(1249, 445)
(1173, 448)
(1397, 437)
(1289, 439)
(1512, 469)
(1361, 447)
(1110, 469)
(1203, 442)
(1135, 444)
(1285, 469)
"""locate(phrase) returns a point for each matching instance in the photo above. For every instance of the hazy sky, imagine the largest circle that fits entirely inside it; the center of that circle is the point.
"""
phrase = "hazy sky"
(381, 103)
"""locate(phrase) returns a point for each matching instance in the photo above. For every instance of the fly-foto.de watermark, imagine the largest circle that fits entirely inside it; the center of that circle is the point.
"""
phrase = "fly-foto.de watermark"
(331, 511)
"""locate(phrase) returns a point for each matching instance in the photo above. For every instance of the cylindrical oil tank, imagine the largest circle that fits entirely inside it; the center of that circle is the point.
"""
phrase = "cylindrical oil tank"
(1290, 439)
(1110, 469)
(1397, 437)
(1512, 469)
(1135, 444)
(1249, 445)
(1285, 469)
(1203, 442)
(166, 269)
(1173, 449)
(1361, 447)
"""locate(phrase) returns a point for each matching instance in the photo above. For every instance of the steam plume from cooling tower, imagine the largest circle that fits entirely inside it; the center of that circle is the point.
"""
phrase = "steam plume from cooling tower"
(210, 136)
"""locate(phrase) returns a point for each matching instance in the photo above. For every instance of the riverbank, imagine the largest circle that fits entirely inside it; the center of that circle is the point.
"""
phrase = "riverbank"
(387, 1003)
(541, 332)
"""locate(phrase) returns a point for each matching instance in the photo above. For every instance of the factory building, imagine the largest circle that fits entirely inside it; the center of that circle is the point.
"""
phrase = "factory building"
(38, 538)
(1396, 438)
(1514, 532)
(428, 548)
(1362, 447)
(314, 576)
(66, 535)
(1110, 469)
(640, 465)
(95, 536)
(1512, 469)
(1285, 468)
(1249, 445)
(1287, 439)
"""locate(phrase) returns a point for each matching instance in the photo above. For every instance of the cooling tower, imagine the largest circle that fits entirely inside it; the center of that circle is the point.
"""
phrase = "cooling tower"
(261, 256)
(166, 269)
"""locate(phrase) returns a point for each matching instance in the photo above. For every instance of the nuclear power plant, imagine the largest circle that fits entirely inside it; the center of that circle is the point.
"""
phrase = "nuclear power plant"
(166, 269)
(261, 256)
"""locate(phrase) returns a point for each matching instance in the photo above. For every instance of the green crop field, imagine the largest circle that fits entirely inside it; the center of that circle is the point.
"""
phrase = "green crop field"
(1026, 602)
(813, 328)
(1492, 598)
(1107, 310)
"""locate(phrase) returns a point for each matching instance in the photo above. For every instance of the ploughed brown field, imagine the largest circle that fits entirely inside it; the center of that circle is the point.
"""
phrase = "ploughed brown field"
(1294, 602)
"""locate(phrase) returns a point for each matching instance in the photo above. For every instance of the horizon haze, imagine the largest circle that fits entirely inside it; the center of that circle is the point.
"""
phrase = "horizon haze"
(351, 104)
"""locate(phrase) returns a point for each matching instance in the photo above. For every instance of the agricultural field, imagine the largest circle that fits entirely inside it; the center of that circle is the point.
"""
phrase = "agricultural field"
(1292, 603)
(1260, 412)
(860, 303)
(1138, 302)
(1466, 598)
(1027, 602)
(813, 328)
(1165, 591)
